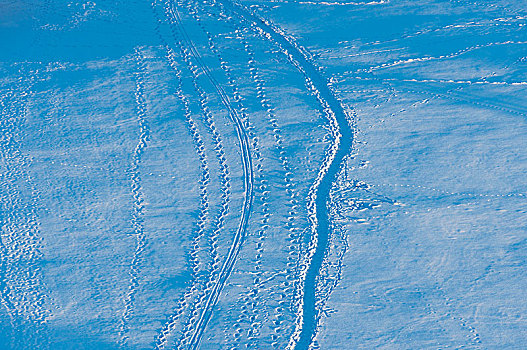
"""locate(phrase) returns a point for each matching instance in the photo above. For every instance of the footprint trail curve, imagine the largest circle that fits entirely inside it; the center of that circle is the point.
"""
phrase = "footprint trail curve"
(246, 159)
(191, 302)
(137, 194)
(196, 260)
(339, 116)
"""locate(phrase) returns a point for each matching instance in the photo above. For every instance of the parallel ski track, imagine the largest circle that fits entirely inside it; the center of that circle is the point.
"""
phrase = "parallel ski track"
(240, 235)
(248, 187)
(213, 240)
(288, 289)
(290, 188)
(137, 194)
(339, 118)
(204, 212)
(251, 312)
(195, 296)
(263, 192)
(257, 156)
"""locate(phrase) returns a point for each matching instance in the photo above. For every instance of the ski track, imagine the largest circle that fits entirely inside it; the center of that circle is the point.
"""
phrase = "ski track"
(500, 21)
(249, 313)
(436, 58)
(213, 289)
(244, 316)
(339, 119)
(294, 238)
(262, 188)
(200, 288)
(198, 264)
(191, 299)
(137, 195)
(331, 3)
(292, 203)
(199, 246)
(216, 265)
(457, 95)
(23, 293)
(204, 212)
(217, 285)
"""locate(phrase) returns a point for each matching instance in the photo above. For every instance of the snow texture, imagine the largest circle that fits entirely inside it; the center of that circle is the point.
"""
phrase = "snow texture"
(278, 174)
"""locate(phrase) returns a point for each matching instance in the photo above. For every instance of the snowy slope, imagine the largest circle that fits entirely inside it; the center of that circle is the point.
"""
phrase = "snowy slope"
(263, 174)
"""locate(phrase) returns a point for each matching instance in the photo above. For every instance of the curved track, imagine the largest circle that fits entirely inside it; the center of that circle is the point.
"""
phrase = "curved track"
(339, 117)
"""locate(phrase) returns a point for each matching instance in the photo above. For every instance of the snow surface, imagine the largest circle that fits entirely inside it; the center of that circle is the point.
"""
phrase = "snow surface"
(280, 174)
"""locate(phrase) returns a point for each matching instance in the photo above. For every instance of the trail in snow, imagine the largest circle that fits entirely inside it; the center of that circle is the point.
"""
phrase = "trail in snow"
(239, 236)
(219, 282)
(137, 195)
(197, 262)
(195, 295)
(343, 134)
